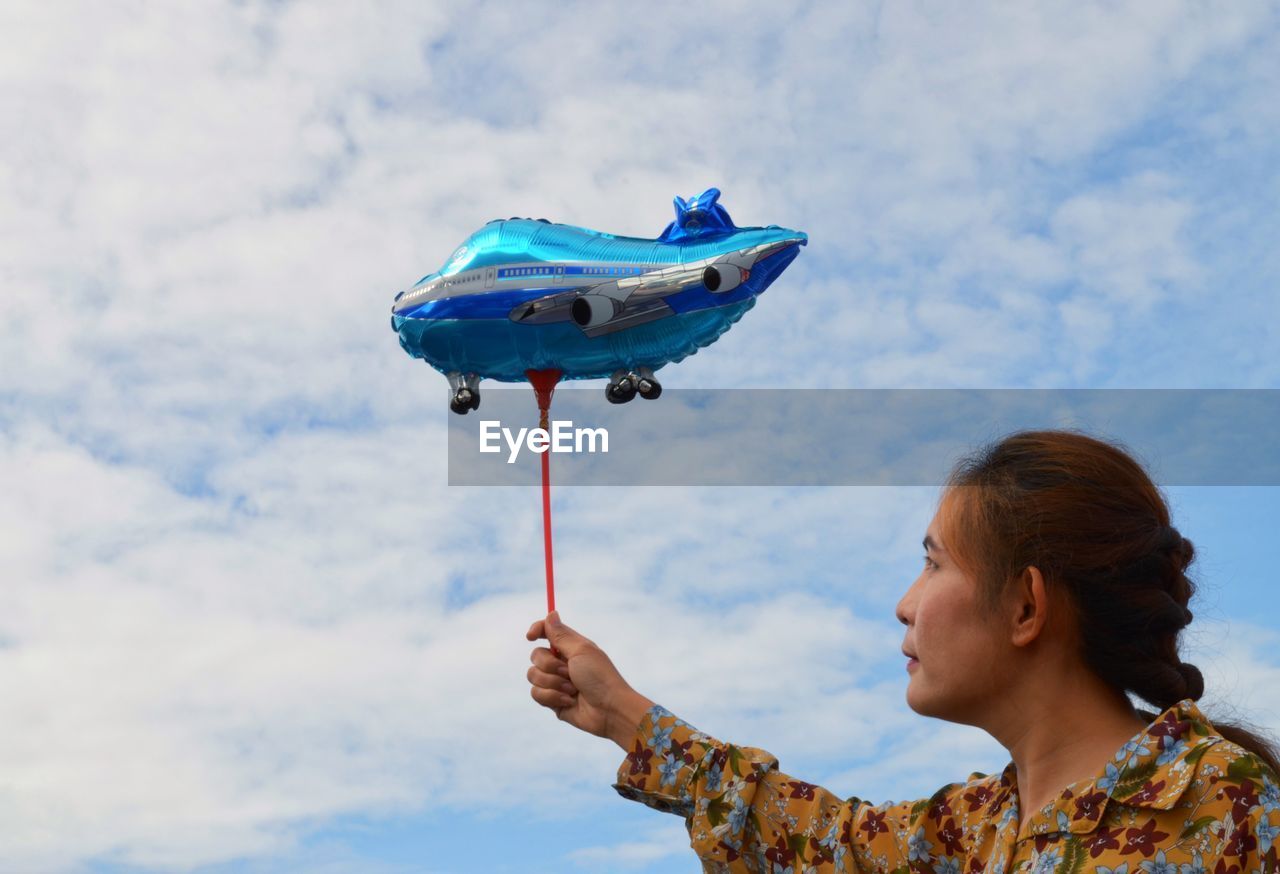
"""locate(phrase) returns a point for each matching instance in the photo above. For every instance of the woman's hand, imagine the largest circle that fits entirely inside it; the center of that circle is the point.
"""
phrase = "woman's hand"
(578, 681)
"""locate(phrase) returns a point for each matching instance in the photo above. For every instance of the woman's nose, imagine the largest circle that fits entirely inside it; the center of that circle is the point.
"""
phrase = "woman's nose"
(906, 607)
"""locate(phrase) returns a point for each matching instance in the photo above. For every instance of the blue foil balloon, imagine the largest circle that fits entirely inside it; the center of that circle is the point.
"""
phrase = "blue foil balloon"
(525, 294)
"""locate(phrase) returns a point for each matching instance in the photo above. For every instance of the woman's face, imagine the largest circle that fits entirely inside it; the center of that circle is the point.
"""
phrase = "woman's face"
(960, 657)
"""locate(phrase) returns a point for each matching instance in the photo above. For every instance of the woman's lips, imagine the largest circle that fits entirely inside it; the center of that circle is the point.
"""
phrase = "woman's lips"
(912, 661)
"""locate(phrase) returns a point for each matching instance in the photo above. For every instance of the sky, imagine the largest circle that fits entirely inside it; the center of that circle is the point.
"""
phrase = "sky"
(245, 623)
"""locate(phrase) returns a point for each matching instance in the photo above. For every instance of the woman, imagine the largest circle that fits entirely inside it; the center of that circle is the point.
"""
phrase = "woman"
(1053, 587)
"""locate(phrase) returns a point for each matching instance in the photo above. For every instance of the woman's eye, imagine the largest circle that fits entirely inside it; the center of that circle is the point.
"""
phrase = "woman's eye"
(930, 563)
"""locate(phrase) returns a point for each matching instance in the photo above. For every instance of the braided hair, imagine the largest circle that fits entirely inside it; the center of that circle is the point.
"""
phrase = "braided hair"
(1089, 517)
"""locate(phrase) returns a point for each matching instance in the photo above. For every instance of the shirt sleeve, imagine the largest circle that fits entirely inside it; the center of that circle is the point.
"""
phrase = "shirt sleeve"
(744, 815)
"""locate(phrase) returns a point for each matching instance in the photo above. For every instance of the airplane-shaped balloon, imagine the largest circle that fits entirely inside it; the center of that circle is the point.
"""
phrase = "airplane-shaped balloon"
(527, 295)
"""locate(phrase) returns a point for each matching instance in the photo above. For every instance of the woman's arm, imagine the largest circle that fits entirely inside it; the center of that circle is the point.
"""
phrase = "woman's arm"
(743, 814)
(746, 815)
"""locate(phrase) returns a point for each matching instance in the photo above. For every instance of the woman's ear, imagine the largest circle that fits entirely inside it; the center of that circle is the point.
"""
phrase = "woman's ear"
(1030, 606)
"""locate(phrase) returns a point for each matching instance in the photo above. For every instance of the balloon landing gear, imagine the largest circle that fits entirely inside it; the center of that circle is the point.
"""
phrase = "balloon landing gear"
(648, 387)
(625, 385)
(466, 392)
(621, 388)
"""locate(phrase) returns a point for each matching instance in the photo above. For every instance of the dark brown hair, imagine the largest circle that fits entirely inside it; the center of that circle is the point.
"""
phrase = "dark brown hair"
(1089, 517)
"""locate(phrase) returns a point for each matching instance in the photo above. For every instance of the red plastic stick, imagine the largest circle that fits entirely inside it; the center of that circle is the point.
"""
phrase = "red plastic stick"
(546, 530)
(544, 386)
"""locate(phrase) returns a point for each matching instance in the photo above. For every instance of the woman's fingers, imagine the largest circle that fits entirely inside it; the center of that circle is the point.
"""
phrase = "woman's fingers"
(550, 681)
(547, 661)
(549, 675)
(551, 698)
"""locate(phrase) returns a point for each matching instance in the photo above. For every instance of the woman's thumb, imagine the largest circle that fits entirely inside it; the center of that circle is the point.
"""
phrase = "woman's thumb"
(561, 636)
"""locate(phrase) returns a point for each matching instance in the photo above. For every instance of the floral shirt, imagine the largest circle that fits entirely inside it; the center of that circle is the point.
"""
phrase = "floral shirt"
(1176, 799)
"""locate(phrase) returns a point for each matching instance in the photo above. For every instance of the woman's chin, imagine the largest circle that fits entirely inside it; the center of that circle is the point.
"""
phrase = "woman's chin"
(913, 694)
(918, 697)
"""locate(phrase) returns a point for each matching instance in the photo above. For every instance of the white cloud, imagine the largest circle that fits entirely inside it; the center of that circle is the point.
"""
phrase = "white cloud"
(1126, 245)
(1241, 671)
(661, 843)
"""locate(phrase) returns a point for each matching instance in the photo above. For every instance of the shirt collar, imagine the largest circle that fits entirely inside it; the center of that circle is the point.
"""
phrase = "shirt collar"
(1152, 770)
